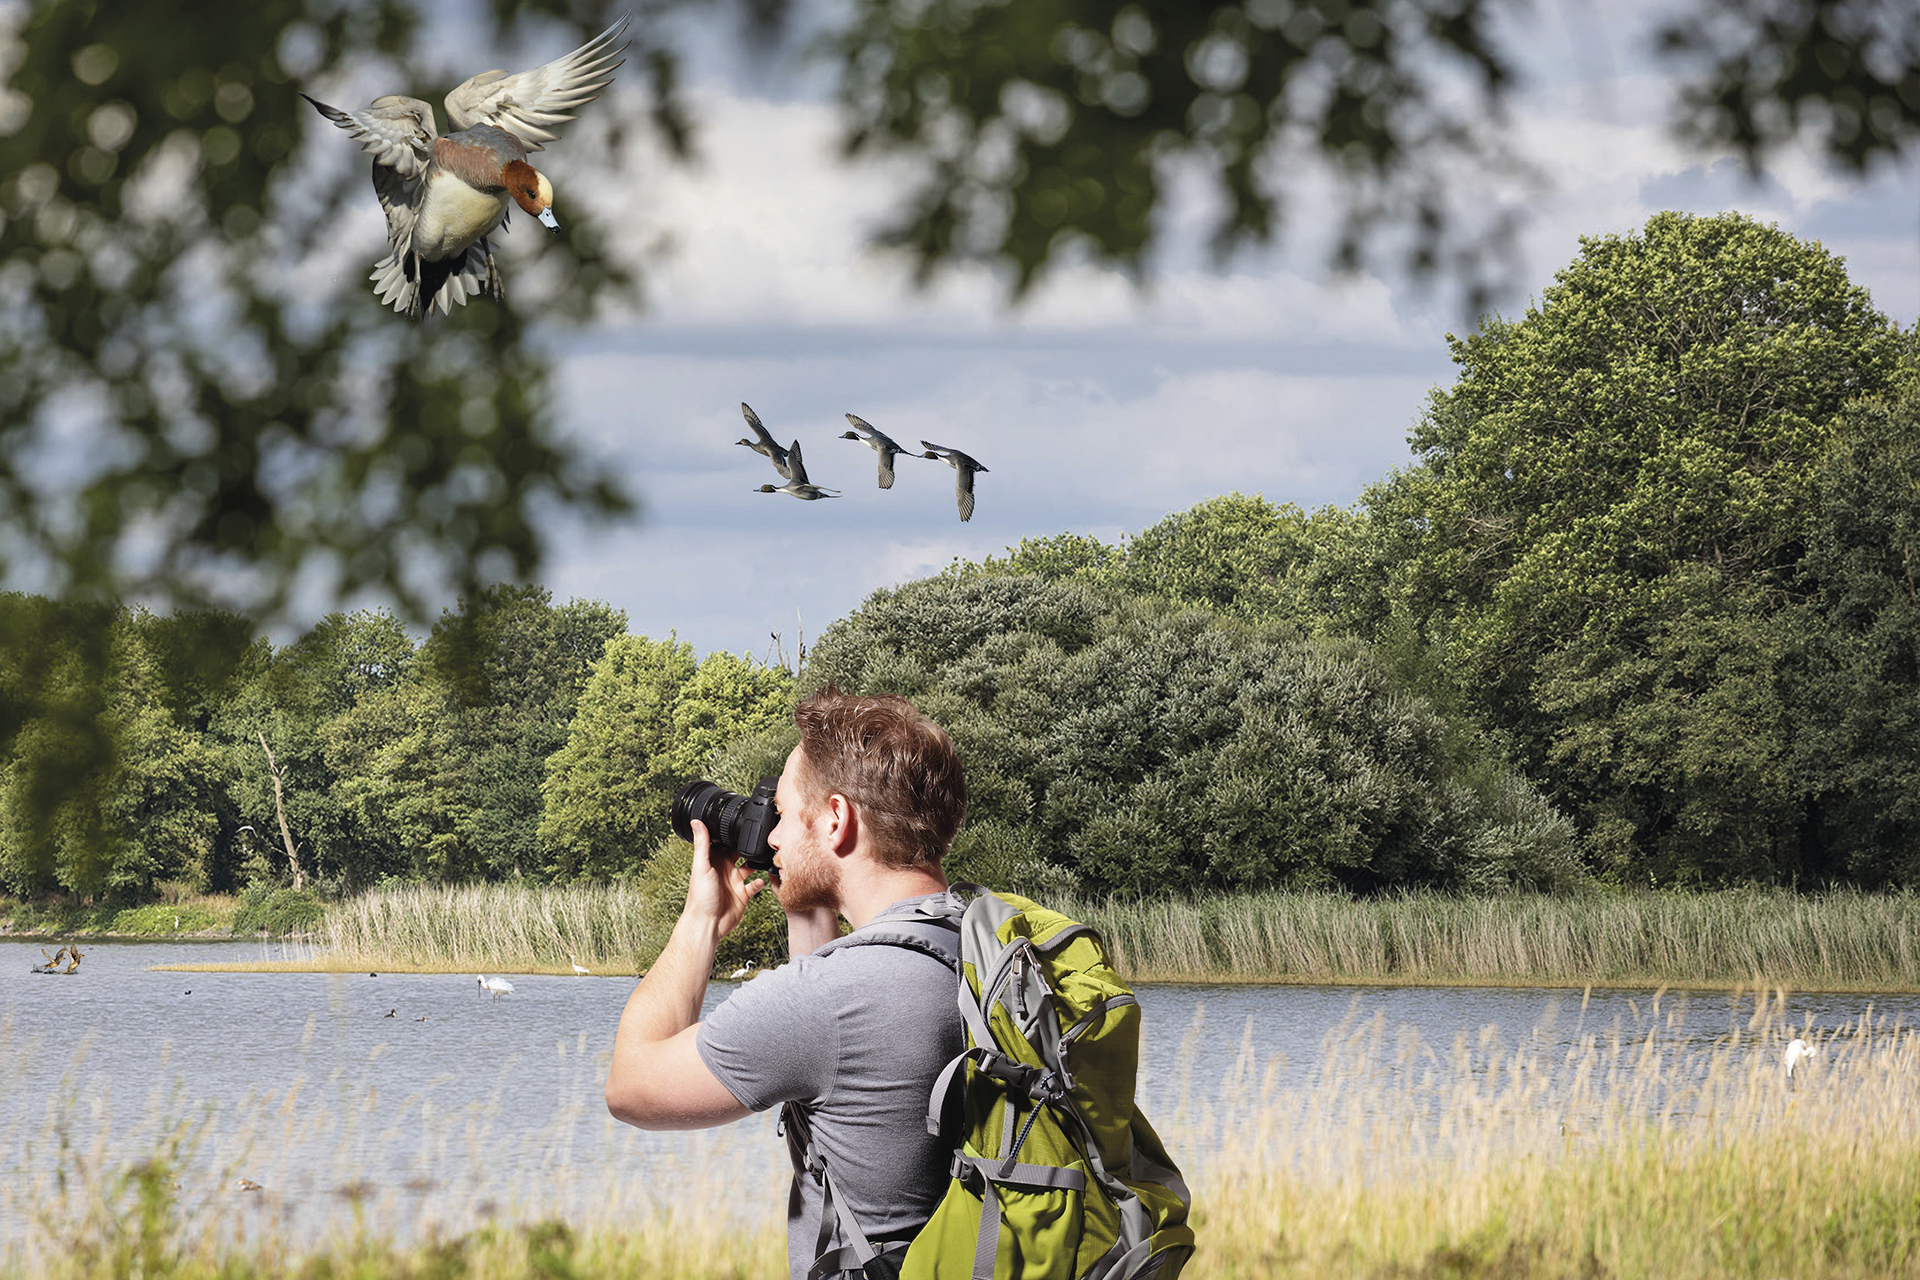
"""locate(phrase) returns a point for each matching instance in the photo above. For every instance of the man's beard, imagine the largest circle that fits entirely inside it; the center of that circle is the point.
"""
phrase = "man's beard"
(814, 882)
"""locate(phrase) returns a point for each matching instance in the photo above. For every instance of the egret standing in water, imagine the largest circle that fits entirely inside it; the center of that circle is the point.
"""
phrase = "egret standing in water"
(1797, 1051)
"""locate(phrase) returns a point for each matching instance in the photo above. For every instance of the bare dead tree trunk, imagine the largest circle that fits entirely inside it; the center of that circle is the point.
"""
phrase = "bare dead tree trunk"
(280, 808)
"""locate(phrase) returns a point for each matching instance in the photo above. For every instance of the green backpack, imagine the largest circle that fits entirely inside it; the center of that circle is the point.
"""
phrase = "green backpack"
(1056, 1175)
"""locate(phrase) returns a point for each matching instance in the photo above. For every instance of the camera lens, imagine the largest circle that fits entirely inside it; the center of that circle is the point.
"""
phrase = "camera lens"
(735, 823)
(693, 803)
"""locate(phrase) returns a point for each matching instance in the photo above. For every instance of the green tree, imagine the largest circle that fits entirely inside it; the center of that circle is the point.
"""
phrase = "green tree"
(400, 784)
(1856, 701)
(514, 665)
(650, 720)
(146, 812)
(1609, 507)
(1138, 749)
(290, 701)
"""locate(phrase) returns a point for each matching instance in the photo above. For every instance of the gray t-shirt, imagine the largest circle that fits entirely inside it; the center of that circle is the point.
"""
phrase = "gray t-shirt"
(857, 1036)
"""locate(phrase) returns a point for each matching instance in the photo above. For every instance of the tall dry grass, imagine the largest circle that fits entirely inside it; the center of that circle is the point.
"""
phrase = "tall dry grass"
(517, 928)
(1628, 1157)
(1836, 941)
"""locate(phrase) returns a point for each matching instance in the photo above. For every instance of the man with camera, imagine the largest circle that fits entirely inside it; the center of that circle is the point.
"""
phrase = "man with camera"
(853, 1035)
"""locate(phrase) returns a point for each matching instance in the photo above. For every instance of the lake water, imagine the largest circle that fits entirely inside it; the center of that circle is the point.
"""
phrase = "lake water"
(421, 1099)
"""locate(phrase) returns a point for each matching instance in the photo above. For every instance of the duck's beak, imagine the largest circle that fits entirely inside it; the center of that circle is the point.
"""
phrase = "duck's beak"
(548, 221)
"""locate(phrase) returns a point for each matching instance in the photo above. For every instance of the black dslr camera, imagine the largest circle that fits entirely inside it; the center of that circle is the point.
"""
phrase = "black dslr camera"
(735, 823)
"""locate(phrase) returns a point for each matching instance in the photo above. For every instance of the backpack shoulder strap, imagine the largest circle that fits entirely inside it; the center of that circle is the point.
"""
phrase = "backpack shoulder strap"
(932, 928)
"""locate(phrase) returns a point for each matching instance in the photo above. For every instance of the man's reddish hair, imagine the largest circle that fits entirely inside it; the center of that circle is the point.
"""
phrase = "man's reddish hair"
(898, 766)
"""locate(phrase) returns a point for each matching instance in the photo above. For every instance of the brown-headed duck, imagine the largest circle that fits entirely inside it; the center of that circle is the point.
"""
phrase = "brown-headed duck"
(445, 195)
(763, 443)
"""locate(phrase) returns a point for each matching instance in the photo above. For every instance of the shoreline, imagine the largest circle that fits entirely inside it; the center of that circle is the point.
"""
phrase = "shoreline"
(1630, 982)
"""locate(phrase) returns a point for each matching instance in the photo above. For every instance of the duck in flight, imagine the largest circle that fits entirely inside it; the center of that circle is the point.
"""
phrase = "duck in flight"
(763, 443)
(797, 483)
(444, 196)
(963, 467)
(879, 441)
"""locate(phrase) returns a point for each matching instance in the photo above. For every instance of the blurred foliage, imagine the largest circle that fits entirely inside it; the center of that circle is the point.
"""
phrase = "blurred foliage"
(1053, 123)
(1760, 75)
(1049, 129)
(185, 411)
(201, 402)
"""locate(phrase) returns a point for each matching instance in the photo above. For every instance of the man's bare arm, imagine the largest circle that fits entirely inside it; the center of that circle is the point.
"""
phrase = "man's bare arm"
(657, 1079)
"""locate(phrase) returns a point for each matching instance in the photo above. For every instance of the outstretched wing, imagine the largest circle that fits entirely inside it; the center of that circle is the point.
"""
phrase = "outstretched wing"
(397, 131)
(527, 102)
(797, 469)
(963, 490)
(753, 421)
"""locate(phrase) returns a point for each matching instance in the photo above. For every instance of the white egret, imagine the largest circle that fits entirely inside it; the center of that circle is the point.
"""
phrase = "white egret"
(579, 969)
(496, 987)
(744, 971)
(1797, 1049)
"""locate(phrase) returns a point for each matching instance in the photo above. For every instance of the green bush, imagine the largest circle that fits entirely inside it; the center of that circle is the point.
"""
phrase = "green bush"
(1128, 746)
(264, 909)
(161, 919)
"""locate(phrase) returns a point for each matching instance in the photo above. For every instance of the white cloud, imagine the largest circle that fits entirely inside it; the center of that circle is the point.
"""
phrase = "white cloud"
(1098, 408)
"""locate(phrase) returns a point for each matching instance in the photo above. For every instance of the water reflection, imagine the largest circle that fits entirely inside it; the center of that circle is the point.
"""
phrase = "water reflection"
(417, 1099)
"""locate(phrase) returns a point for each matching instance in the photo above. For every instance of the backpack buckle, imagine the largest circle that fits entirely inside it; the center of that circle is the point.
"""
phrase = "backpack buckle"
(966, 1173)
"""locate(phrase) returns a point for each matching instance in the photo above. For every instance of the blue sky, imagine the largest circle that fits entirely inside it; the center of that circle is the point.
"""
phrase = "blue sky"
(1099, 408)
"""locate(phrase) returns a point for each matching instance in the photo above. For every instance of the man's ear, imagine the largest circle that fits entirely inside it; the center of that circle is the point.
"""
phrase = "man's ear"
(845, 833)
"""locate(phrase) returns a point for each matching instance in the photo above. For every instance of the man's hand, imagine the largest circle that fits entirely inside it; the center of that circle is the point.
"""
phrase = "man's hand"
(718, 888)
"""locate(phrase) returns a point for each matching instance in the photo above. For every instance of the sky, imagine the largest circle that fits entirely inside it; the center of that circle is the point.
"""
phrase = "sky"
(1097, 407)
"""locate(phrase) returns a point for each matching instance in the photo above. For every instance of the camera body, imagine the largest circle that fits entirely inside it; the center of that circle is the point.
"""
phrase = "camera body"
(735, 823)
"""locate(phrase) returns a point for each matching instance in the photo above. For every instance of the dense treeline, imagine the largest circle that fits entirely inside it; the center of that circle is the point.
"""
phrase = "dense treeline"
(1659, 546)
(448, 761)
(1644, 606)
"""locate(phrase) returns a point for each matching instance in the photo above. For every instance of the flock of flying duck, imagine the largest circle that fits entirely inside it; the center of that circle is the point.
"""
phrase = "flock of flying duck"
(793, 470)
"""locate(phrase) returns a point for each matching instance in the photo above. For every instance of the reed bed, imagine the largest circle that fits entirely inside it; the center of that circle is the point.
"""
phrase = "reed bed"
(516, 928)
(1829, 942)
(1622, 1157)
(1834, 942)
